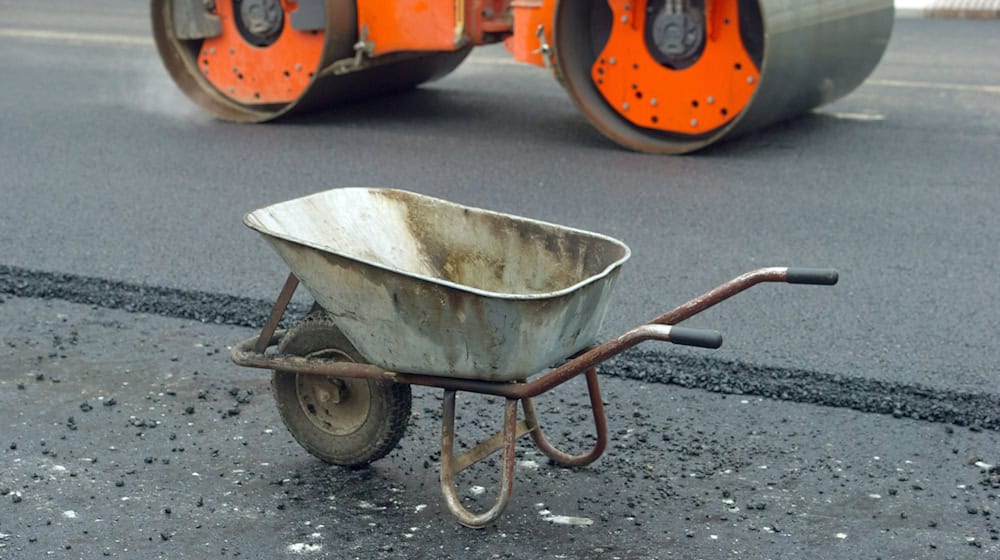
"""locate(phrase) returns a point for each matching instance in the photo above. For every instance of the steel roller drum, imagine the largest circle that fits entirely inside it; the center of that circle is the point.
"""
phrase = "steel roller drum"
(808, 53)
(181, 31)
(747, 63)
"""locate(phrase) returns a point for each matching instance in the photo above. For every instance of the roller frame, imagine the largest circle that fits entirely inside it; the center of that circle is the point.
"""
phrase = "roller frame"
(340, 76)
(813, 52)
(806, 53)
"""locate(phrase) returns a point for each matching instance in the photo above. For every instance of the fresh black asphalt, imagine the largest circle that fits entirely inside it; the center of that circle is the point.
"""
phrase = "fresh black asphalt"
(125, 272)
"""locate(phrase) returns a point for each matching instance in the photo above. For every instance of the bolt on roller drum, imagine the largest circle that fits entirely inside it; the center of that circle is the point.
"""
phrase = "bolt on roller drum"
(674, 76)
(255, 60)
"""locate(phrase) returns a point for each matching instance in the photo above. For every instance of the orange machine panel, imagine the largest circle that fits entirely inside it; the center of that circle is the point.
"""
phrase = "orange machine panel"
(278, 73)
(694, 100)
(532, 30)
(412, 25)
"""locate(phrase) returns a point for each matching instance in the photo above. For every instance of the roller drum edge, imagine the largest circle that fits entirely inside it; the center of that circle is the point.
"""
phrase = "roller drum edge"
(795, 55)
(815, 53)
(811, 52)
(325, 89)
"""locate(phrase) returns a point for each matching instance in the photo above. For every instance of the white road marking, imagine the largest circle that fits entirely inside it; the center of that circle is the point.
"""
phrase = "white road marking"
(127, 40)
(856, 116)
(115, 39)
(497, 61)
(977, 88)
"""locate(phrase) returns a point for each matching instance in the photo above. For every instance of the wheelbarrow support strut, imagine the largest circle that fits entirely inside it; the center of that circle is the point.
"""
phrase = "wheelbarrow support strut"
(505, 440)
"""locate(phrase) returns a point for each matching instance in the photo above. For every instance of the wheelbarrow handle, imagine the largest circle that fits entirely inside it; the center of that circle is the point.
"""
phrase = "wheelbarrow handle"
(702, 338)
(686, 336)
(684, 311)
(815, 276)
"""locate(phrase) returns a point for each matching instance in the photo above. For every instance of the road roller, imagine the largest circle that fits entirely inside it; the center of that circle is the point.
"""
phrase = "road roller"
(659, 76)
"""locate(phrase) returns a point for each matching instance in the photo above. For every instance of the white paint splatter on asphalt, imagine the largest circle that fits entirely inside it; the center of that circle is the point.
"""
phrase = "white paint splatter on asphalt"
(304, 548)
(565, 519)
(856, 116)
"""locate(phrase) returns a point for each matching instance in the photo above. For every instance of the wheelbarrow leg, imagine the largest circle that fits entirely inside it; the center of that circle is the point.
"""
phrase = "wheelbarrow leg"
(600, 423)
(264, 340)
(450, 465)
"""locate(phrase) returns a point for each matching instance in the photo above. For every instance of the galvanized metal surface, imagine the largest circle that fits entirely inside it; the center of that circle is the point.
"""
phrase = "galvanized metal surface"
(245, 354)
(421, 285)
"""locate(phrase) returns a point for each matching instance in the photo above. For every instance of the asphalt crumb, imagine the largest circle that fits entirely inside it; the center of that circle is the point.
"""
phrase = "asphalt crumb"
(687, 470)
(975, 410)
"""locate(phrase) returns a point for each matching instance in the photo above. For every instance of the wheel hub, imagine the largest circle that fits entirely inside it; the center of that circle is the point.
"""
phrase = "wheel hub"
(260, 21)
(675, 32)
(336, 406)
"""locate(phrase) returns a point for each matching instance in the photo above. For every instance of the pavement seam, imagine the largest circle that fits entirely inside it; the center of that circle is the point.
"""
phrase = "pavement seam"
(950, 9)
(915, 401)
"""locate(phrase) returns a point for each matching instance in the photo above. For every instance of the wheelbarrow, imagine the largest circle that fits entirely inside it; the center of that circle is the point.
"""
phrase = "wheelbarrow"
(413, 290)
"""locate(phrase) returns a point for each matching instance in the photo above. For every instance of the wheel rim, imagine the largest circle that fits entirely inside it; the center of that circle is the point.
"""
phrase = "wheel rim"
(240, 75)
(675, 73)
(646, 91)
(235, 65)
(335, 406)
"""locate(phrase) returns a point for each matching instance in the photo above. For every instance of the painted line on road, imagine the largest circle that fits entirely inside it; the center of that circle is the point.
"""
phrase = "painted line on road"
(496, 61)
(124, 40)
(975, 88)
(866, 117)
(115, 39)
(961, 9)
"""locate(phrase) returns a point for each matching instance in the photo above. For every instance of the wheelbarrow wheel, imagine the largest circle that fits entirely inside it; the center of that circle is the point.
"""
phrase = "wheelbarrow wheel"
(348, 422)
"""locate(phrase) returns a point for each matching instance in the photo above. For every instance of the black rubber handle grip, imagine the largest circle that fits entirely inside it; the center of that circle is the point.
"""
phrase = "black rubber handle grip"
(701, 338)
(817, 276)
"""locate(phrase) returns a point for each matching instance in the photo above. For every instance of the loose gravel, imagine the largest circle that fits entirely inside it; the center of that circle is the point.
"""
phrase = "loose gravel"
(156, 465)
(978, 410)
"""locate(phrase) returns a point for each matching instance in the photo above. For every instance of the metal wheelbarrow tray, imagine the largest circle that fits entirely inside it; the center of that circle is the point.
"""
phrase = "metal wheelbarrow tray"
(413, 290)
(420, 284)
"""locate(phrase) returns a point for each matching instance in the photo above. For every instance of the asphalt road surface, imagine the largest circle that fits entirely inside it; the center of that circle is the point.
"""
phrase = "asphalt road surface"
(120, 221)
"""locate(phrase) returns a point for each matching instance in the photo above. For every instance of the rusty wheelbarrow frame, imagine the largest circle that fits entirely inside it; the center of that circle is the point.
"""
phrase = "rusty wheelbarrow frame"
(253, 352)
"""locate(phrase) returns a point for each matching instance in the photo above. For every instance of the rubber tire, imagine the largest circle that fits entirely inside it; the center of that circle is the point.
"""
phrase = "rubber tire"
(388, 413)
